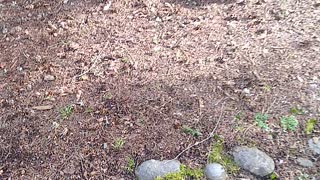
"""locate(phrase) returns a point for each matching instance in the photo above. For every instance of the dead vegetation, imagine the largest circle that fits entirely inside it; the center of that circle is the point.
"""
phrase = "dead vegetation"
(137, 71)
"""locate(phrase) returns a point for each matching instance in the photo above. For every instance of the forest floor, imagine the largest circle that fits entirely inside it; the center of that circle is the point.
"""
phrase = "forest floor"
(92, 88)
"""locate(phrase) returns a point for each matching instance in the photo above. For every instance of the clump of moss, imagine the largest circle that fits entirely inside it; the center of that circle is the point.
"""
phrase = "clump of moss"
(216, 155)
(184, 173)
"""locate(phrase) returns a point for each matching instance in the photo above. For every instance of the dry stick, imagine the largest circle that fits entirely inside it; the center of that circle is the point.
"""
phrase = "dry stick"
(97, 58)
(207, 138)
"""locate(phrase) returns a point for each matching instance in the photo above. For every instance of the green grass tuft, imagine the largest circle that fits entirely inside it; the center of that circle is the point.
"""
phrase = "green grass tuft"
(130, 165)
(216, 155)
(309, 126)
(183, 174)
(118, 143)
(66, 112)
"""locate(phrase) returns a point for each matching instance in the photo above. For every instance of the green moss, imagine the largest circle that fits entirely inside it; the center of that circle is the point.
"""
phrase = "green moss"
(309, 126)
(216, 155)
(273, 176)
(184, 173)
(296, 111)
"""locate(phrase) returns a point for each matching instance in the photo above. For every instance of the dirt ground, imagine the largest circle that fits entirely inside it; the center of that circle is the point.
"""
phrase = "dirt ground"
(87, 85)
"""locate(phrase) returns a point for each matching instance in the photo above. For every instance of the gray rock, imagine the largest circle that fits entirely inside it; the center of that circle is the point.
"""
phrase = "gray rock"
(151, 169)
(49, 77)
(314, 144)
(215, 171)
(253, 160)
(313, 86)
(105, 145)
(246, 91)
(305, 162)
(4, 30)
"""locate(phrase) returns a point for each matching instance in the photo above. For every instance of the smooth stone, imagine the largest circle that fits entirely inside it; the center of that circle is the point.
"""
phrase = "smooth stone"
(49, 77)
(313, 86)
(305, 162)
(253, 160)
(215, 171)
(314, 144)
(151, 169)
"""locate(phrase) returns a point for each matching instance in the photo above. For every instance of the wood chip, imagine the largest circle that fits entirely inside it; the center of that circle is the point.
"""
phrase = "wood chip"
(41, 108)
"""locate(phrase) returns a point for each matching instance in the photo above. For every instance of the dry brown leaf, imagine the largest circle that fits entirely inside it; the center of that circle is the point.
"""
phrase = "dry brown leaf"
(41, 108)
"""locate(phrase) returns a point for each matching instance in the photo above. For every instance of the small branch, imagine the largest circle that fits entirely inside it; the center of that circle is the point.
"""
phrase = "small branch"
(95, 61)
(207, 138)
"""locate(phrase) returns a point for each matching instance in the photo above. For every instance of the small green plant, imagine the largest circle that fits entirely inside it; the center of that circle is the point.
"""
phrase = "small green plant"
(191, 131)
(267, 88)
(125, 60)
(289, 123)
(309, 126)
(216, 155)
(183, 174)
(238, 116)
(118, 143)
(261, 119)
(296, 111)
(273, 176)
(130, 165)
(66, 111)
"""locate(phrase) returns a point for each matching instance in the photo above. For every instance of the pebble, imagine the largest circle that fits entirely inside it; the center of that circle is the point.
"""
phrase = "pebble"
(19, 68)
(105, 145)
(107, 7)
(305, 162)
(215, 171)
(314, 144)
(49, 77)
(246, 91)
(38, 58)
(313, 86)
(253, 160)
(151, 169)
(4, 30)
(241, 2)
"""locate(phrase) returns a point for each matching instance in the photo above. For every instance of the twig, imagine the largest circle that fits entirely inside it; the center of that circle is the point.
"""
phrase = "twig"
(207, 138)
(271, 105)
(246, 130)
(5, 158)
(95, 61)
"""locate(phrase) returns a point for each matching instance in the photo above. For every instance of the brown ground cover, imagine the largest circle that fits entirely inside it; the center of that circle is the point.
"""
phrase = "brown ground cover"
(78, 76)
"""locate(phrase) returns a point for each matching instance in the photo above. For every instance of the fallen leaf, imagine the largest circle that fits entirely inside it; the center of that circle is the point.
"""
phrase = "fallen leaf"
(45, 107)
